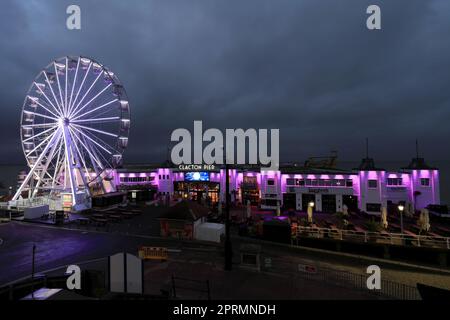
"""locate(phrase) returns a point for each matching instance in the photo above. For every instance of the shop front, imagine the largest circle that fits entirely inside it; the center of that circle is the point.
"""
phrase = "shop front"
(197, 190)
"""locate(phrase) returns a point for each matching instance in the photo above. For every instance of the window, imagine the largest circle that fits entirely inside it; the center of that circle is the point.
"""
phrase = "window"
(349, 183)
(290, 182)
(159, 177)
(270, 182)
(425, 182)
(394, 181)
(135, 179)
(373, 184)
(338, 182)
(270, 202)
(301, 182)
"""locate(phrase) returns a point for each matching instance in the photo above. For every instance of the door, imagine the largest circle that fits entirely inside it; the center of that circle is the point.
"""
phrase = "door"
(306, 199)
(329, 203)
(289, 201)
(351, 202)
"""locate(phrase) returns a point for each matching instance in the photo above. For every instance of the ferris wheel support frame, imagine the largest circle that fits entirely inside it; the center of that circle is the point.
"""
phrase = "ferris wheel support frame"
(33, 168)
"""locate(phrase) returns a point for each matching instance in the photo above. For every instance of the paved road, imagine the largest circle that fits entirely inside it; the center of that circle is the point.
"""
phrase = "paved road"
(57, 247)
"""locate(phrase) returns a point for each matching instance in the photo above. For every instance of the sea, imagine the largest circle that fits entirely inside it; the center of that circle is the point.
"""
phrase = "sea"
(9, 174)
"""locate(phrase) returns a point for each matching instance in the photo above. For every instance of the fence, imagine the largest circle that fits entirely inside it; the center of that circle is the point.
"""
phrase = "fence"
(54, 204)
(371, 237)
(389, 289)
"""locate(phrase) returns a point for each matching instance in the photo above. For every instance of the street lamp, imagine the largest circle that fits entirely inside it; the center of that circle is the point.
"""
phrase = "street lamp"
(311, 204)
(400, 209)
(228, 246)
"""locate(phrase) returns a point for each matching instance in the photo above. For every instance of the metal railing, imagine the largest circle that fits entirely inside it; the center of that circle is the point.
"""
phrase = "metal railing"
(388, 289)
(371, 237)
(20, 204)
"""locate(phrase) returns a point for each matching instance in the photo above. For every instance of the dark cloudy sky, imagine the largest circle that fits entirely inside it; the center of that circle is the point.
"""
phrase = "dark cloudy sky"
(307, 67)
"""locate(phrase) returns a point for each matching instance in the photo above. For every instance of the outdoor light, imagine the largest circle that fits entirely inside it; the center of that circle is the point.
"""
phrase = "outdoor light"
(401, 208)
(311, 204)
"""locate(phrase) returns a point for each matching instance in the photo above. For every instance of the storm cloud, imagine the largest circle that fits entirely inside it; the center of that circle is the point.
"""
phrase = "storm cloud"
(310, 68)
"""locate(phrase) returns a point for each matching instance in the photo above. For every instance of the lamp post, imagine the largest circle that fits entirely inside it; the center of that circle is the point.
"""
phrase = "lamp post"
(228, 248)
(400, 209)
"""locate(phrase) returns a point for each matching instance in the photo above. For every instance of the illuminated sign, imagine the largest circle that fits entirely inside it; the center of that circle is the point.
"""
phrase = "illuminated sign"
(196, 176)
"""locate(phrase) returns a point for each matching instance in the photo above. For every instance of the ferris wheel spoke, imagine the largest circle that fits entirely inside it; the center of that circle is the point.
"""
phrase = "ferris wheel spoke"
(65, 83)
(73, 86)
(59, 88)
(96, 130)
(47, 98)
(94, 159)
(97, 120)
(96, 150)
(53, 93)
(102, 142)
(95, 109)
(80, 156)
(39, 134)
(45, 108)
(41, 115)
(79, 89)
(77, 111)
(57, 164)
(47, 163)
(33, 168)
(42, 142)
(92, 140)
(85, 95)
(39, 125)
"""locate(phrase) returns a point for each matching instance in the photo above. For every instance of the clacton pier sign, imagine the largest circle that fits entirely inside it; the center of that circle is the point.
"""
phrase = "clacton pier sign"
(196, 167)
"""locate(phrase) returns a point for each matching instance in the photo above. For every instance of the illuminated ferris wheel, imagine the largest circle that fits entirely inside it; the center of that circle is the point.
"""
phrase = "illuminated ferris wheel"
(74, 128)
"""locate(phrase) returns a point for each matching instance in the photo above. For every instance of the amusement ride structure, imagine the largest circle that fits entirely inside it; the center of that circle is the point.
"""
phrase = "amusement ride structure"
(74, 128)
